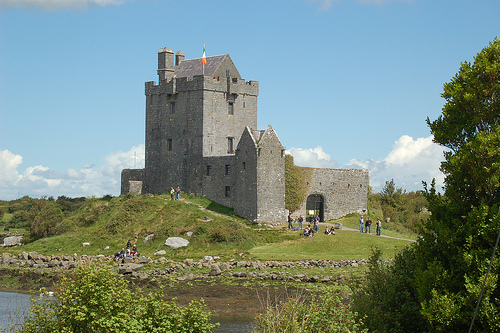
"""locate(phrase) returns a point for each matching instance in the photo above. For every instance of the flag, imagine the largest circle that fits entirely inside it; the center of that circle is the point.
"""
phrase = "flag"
(204, 59)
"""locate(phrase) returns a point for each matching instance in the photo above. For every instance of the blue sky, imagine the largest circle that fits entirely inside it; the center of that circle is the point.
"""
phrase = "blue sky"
(345, 83)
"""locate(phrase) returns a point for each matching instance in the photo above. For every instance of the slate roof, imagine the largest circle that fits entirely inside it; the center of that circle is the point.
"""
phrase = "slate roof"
(192, 67)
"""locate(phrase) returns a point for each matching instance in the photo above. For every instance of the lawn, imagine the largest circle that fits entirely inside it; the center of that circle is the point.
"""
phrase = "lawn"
(344, 246)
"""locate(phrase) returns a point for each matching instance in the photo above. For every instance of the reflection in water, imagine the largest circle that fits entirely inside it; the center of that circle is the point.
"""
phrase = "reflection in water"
(14, 307)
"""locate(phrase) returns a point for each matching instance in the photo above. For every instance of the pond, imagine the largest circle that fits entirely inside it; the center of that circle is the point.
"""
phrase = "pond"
(14, 307)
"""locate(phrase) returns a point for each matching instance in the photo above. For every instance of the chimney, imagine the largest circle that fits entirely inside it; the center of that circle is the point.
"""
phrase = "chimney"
(179, 56)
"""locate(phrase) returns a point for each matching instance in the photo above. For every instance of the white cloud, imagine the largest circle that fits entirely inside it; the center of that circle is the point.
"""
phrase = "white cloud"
(89, 180)
(57, 4)
(327, 4)
(312, 157)
(410, 162)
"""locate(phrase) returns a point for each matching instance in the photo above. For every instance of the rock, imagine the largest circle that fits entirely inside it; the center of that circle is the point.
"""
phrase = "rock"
(208, 258)
(128, 260)
(354, 264)
(160, 253)
(148, 238)
(338, 225)
(12, 241)
(176, 242)
(314, 278)
(215, 270)
(129, 268)
(143, 260)
(86, 244)
(106, 248)
(189, 233)
(5, 258)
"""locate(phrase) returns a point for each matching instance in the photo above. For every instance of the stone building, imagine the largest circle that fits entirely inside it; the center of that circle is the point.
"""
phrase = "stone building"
(201, 136)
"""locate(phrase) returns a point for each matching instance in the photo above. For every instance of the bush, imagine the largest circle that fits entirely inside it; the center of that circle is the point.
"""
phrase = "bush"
(96, 299)
(324, 310)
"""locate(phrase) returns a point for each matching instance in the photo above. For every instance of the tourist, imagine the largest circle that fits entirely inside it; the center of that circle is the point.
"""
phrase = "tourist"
(361, 223)
(332, 231)
(327, 231)
(379, 227)
(134, 250)
(178, 193)
(129, 245)
(172, 193)
(306, 230)
(122, 253)
(368, 225)
(290, 221)
(301, 219)
(316, 224)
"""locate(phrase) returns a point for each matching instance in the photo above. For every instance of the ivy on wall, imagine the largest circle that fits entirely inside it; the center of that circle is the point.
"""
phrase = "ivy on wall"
(296, 188)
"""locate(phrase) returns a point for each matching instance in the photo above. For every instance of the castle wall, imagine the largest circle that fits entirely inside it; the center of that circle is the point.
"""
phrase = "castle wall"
(344, 191)
(220, 176)
(270, 178)
(130, 179)
(245, 198)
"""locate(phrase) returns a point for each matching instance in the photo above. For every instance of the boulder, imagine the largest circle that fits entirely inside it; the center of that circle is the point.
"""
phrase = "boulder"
(215, 270)
(86, 244)
(12, 241)
(160, 253)
(176, 242)
(148, 238)
(143, 260)
(129, 268)
(338, 225)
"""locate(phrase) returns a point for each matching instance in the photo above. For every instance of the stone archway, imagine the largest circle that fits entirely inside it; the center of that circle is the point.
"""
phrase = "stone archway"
(315, 205)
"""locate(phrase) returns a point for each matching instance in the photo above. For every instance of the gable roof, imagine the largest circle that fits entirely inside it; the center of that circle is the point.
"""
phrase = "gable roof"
(192, 67)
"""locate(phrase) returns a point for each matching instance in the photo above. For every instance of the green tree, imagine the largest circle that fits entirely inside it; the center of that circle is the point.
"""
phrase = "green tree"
(43, 218)
(96, 299)
(460, 235)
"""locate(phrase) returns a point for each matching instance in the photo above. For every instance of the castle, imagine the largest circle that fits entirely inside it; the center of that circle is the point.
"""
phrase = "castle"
(201, 135)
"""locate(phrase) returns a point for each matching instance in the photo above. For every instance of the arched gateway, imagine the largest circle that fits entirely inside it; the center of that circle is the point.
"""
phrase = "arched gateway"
(315, 206)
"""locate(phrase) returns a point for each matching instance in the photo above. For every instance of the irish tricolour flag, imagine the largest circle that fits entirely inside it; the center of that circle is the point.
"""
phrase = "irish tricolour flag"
(204, 59)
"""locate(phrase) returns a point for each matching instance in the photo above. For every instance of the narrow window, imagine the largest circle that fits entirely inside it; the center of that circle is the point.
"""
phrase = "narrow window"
(227, 72)
(228, 169)
(169, 144)
(282, 152)
(244, 165)
(172, 108)
(244, 104)
(230, 108)
(228, 191)
(209, 170)
(230, 146)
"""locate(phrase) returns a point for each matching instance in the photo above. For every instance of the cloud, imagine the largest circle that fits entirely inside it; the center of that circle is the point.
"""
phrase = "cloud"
(410, 162)
(325, 5)
(57, 4)
(89, 180)
(312, 157)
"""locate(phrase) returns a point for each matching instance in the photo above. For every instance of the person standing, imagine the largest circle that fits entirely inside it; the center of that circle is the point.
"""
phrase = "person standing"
(301, 219)
(178, 193)
(290, 226)
(361, 223)
(368, 226)
(379, 227)
(172, 193)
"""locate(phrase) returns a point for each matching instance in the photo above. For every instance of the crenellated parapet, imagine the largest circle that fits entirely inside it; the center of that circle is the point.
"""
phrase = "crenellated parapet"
(232, 86)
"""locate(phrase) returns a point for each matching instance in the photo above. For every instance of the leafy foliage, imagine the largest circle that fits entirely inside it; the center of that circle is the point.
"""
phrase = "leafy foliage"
(95, 299)
(324, 310)
(43, 218)
(296, 179)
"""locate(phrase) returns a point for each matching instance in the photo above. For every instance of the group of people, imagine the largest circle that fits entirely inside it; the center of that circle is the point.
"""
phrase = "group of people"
(330, 231)
(308, 231)
(366, 226)
(131, 252)
(315, 221)
(175, 194)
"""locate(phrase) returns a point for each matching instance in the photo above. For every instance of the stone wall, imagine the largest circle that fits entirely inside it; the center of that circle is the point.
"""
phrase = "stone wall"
(344, 191)
(131, 175)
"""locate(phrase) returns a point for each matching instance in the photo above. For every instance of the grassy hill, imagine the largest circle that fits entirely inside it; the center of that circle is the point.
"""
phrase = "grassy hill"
(113, 221)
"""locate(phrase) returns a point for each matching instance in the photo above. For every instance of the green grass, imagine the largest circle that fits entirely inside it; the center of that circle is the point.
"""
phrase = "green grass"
(346, 245)
(352, 221)
(112, 223)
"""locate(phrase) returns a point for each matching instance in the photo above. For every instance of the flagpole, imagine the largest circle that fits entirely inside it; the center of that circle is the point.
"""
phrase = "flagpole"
(204, 59)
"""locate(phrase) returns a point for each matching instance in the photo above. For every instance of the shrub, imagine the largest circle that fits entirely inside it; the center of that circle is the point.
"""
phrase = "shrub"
(96, 299)
(324, 310)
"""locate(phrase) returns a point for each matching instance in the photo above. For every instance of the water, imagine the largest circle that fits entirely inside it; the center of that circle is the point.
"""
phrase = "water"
(14, 307)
